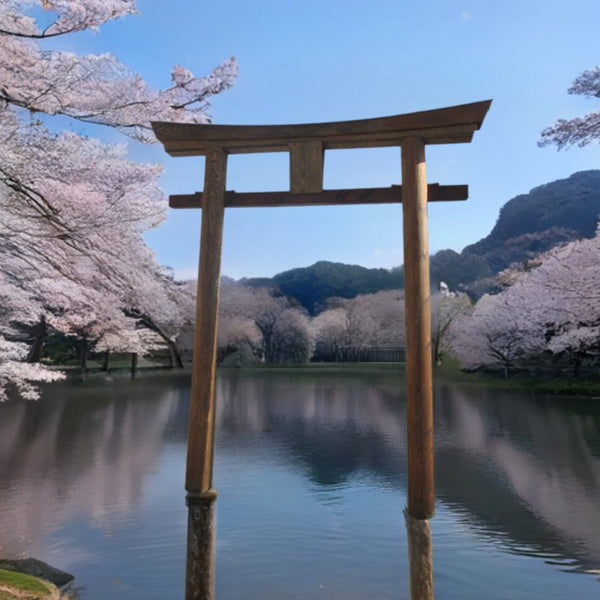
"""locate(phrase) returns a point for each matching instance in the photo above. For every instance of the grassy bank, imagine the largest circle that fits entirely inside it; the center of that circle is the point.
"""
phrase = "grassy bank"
(520, 382)
(450, 371)
(14, 585)
(31, 579)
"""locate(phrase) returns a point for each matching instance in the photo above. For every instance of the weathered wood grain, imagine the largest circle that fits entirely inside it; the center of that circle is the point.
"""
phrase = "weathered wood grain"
(306, 167)
(388, 195)
(420, 558)
(201, 546)
(202, 396)
(421, 494)
(455, 124)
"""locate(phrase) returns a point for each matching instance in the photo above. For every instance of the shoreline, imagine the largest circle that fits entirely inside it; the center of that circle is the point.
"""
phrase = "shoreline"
(32, 579)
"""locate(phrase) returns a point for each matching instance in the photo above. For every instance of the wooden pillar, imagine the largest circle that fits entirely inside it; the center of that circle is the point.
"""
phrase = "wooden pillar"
(202, 397)
(201, 497)
(419, 400)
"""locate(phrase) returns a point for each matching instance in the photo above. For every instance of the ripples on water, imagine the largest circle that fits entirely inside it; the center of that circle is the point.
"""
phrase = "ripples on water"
(311, 478)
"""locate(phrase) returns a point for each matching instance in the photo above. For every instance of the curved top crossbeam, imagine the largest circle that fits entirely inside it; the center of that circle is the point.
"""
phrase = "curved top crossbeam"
(455, 124)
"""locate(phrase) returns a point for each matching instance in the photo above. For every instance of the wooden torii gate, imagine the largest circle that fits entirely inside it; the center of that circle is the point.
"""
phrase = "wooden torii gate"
(306, 145)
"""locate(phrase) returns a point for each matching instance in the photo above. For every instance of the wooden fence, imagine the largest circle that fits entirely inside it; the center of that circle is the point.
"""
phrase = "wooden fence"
(371, 354)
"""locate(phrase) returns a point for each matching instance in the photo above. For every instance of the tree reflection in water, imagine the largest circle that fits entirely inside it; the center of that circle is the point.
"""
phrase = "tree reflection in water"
(311, 475)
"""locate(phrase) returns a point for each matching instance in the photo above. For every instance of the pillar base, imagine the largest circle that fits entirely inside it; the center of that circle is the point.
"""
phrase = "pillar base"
(201, 542)
(420, 558)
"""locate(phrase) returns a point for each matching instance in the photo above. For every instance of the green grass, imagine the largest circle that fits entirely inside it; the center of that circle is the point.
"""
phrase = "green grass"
(519, 382)
(25, 586)
(450, 371)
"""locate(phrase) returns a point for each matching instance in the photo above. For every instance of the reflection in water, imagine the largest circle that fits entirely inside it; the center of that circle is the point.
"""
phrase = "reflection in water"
(200, 563)
(332, 427)
(311, 475)
(82, 452)
(525, 467)
(522, 466)
(420, 558)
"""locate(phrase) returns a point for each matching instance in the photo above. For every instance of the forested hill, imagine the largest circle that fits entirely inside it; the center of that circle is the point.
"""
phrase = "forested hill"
(560, 211)
(527, 225)
(311, 286)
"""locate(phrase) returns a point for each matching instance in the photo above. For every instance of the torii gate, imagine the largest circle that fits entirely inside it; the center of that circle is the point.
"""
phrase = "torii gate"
(306, 145)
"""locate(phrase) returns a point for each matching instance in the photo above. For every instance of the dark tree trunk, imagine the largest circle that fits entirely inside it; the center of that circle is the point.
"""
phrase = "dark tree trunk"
(576, 365)
(146, 321)
(40, 333)
(105, 361)
(436, 347)
(83, 352)
(134, 362)
(174, 354)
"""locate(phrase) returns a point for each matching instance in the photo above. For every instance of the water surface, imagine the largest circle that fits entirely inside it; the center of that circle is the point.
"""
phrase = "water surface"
(311, 472)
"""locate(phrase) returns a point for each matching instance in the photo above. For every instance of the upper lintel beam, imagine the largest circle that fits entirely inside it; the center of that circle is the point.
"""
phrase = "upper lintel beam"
(455, 124)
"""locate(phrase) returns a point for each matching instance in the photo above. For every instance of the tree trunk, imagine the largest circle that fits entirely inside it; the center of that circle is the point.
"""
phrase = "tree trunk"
(146, 321)
(41, 335)
(83, 351)
(105, 361)
(134, 362)
(174, 354)
(436, 346)
(576, 365)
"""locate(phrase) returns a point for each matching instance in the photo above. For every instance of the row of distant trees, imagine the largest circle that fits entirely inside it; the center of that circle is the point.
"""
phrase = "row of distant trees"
(546, 317)
(277, 329)
(547, 314)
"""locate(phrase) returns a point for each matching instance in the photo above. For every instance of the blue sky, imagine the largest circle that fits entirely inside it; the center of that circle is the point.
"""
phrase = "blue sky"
(309, 61)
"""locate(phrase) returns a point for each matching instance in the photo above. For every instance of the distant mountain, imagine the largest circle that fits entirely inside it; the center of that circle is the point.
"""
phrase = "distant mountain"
(527, 225)
(312, 286)
(531, 223)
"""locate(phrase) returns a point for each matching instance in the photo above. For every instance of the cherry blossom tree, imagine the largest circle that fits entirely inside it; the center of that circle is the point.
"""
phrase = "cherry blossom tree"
(266, 320)
(18, 375)
(74, 209)
(376, 319)
(293, 338)
(564, 299)
(494, 333)
(579, 131)
(95, 88)
(551, 307)
(161, 305)
(15, 373)
(237, 330)
(331, 333)
(367, 320)
(445, 307)
(77, 243)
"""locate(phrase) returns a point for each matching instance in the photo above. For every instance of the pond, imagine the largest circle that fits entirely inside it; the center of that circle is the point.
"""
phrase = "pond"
(310, 469)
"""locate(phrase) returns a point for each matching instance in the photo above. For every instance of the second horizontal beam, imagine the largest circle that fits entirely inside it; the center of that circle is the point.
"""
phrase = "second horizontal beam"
(388, 195)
